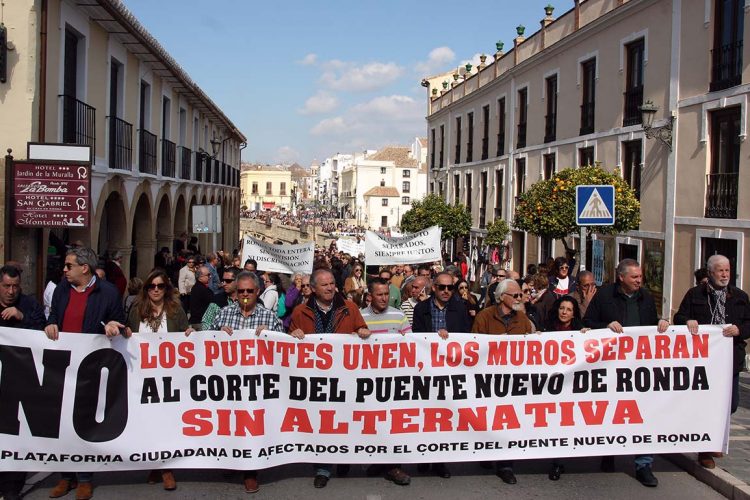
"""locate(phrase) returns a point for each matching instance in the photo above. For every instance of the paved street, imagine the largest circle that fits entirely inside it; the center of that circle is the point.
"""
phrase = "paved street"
(468, 482)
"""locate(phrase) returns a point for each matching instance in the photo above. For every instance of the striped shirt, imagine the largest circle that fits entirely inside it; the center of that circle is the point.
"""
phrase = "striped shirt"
(407, 307)
(390, 321)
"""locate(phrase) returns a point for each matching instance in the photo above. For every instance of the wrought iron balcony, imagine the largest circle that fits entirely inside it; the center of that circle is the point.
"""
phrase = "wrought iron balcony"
(721, 195)
(186, 156)
(521, 142)
(147, 152)
(550, 127)
(726, 66)
(168, 158)
(631, 114)
(120, 144)
(79, 122)
(199, 165)
(587, 118)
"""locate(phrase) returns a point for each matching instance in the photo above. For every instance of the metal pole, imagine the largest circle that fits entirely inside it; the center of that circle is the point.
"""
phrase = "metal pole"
(582, 264)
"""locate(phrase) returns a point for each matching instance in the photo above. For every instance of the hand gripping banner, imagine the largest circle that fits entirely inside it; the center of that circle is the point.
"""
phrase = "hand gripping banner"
(211, 400)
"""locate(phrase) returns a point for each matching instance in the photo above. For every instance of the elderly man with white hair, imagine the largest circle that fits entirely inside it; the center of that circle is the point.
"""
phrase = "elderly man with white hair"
(506, 317)
(716, 302)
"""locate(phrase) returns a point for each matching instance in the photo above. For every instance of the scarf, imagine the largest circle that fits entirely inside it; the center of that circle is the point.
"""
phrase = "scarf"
(719, 312)
(322, 326)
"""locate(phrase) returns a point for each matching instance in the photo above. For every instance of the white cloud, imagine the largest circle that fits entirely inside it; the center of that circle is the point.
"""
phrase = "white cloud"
(353, 78)
(287, 154)
(309, 60)
(329, 126)
(436, 61)
(395, 107)
(474, 61)
(322, 102)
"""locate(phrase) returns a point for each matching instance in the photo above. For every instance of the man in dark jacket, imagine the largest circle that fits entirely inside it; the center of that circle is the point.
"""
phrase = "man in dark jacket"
(716, 302)
(616, 306)
(16, 311)
(82, 303)
(200, 296)
(443, 312)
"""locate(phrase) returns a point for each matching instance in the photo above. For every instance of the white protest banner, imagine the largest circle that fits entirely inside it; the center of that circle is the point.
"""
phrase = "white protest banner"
(350, 246)
(88, 403)
(279, 258)
(413, 248)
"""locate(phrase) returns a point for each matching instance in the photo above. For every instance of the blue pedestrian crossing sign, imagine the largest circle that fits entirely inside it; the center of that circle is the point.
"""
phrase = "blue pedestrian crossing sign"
(595, 205)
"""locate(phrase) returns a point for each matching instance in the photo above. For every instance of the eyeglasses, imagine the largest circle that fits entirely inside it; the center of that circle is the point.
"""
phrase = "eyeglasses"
(69, 265)
(518, 295)
(564, 266)
(225, 280)
(160, 286)
(463, 287)
(526, 290)
(499, 276)
(246, 290)
(445, 287)
(305, 285)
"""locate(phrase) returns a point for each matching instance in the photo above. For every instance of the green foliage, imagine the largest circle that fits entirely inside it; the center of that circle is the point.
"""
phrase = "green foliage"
(548, 208)
(497, 232)
(432, 210)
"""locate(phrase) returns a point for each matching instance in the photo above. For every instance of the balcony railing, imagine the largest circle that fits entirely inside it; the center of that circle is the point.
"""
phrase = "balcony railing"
(726, 66)
(721, 195)
(587, 118)
(120, 144)
(147, 152)
(485, 147)
(550, 127)
(168, 158)
(440, 165)
(631, 114)
(79, 122)
(457, 157)
(469, 152)
(199, 163)
(208, 162)
(521, 143)
(501, 143)
(216, 171)
(186, 156)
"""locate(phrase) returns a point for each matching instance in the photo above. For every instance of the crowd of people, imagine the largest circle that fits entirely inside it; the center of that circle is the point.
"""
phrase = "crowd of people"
(344, 295)
(326, 221)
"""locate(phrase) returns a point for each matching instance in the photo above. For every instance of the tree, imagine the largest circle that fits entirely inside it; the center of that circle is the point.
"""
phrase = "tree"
(497, 232)
(548, 208)
(432, 210)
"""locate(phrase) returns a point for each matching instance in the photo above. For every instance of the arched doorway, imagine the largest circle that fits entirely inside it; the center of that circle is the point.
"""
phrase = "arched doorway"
(142, 239)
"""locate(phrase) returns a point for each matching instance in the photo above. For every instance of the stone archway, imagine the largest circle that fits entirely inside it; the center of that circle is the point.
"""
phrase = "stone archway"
(113, 231)
(164, 228)
(144, 244)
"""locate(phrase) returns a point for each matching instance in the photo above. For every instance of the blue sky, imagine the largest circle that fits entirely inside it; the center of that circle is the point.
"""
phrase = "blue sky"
(304, 80)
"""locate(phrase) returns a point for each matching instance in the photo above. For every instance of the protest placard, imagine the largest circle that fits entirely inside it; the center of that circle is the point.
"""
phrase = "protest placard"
(351, 247)
(414, 248)
(279, 258)
(88, 403)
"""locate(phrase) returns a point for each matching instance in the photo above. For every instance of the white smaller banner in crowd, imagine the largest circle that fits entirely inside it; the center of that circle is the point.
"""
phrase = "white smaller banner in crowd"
(414, 248)
(279, 258)
(350, 246)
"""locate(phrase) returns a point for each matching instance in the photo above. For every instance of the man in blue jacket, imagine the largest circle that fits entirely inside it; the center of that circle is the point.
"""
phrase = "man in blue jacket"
(82, 303)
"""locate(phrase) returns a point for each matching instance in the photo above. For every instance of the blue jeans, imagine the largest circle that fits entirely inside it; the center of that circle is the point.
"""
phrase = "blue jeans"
(322, 470)
(642, 461)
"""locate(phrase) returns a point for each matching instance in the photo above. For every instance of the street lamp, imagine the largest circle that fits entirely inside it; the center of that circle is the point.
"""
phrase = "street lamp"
(662, 133)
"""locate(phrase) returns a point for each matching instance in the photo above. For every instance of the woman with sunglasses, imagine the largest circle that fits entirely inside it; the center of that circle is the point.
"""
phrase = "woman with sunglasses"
(561, 282)
(158, 310)
(563, 317)
(526, 285)
(356, 282)
(472, 306)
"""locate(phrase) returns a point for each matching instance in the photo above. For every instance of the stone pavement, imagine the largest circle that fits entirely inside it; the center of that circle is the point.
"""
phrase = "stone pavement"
(732, 472)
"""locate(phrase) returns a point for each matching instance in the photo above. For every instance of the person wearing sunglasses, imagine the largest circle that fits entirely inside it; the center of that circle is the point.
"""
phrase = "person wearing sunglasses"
(298, 292)
(507, 317)
(247, 313)
(561, 282)
(158, 310)
(442, 313)
(226, 296)
(82, 303)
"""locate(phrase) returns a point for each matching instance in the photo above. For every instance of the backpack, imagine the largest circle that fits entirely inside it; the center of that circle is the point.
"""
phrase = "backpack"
(281, 305)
